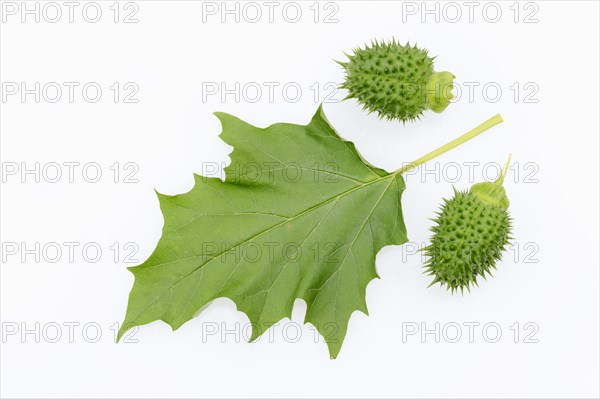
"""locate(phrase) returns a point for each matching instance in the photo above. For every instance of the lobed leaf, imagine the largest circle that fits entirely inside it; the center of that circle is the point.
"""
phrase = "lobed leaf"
(300, 215)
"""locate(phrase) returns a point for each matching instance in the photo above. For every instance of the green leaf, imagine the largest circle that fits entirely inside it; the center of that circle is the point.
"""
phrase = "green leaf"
(300, 215)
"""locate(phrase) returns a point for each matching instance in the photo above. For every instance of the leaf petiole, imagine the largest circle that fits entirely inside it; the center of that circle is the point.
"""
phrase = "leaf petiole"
(493, 121)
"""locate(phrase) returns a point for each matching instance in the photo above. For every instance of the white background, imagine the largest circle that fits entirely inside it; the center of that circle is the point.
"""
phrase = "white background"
(549, 279)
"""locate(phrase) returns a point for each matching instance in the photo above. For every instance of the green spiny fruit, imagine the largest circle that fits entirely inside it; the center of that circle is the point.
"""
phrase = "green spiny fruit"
(396, 81)
(471, 232)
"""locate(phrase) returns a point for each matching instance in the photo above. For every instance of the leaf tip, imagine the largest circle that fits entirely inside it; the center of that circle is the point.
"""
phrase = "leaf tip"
(159, 194)
(122, 330)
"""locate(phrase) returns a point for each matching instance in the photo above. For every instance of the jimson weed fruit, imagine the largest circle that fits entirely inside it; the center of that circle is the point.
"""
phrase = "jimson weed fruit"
(396, 81)
(471, 232)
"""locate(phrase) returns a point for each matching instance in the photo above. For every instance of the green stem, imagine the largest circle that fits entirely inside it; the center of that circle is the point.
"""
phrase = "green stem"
(500, 179)
(493, 121)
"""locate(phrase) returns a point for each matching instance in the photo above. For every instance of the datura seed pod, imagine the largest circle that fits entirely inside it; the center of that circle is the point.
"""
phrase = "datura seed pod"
(396, 81)
(470, 233)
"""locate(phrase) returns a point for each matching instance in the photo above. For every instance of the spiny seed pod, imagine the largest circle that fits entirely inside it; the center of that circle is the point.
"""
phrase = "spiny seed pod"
(471, 232)
(396, 81)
